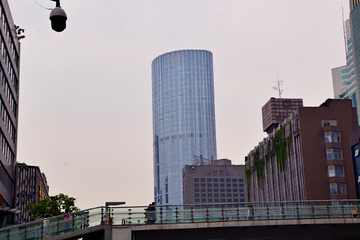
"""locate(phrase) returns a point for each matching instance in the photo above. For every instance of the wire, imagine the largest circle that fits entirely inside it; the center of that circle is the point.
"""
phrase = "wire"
(43, 6)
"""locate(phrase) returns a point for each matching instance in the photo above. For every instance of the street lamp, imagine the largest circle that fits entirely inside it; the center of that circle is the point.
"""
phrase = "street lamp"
(58, 17)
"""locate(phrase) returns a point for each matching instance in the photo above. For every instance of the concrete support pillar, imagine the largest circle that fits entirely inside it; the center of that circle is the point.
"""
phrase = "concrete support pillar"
(121, 234)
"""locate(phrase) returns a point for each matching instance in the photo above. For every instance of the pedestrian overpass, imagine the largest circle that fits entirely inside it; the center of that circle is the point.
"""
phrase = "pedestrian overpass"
(276, 220)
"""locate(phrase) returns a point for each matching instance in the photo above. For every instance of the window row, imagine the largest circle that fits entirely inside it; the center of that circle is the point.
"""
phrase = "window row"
(180, 136)
(333, 153)
(5, 179)
(8, 93)
(5, 148)
(337, 188)
(216, 200)
(217, 190)
(7, 120)
(332, 136)
(329, 122)
(210, 195)
(8, 36)
(228, 180)
(234, 185)
(336, 171)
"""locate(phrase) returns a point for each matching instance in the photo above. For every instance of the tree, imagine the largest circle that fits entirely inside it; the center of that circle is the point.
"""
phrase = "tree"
(53, 206)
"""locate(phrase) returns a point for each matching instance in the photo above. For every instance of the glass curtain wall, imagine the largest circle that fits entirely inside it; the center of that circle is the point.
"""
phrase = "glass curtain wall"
(183, 118)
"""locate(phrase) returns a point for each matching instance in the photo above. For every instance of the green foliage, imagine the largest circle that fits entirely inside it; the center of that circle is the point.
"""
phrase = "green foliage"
(55, 206)
(279, 144)
(259, 167)
(248, 176)
(19, 163)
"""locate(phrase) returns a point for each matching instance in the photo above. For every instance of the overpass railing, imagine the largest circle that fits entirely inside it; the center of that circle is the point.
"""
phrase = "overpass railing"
(136, 215)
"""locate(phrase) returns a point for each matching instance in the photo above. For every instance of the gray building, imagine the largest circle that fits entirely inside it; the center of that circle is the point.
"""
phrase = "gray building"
(183, 118)
(9, 100)
(30, 187)
(220, 182)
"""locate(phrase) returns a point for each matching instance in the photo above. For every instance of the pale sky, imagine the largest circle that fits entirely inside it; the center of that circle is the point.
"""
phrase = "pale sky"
(85, 114)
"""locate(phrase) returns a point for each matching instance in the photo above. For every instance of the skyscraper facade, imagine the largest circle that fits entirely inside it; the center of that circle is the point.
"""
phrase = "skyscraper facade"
(183, 118)
(9, 97)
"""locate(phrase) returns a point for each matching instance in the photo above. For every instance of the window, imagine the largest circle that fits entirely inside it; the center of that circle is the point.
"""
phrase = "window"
(216, 190)
(216, 200)
(333, 153)
(196, 190)
(234, 180)
(222, 185)
(221, 180)
(228, 185)
(337, 188)
(196, 185)
(196, 195)
(235, 190)
(241, 190)
(208, 180)
(202, 180)
(228, 195)
(203, 195)
(209, 200)
(196, 180)
(222, 194)
(209, 194)
(222, 190)
(215, 180)
(241, 180)
(235, 185)
(216, 185)
(332, 136)
(197, 200)
(203, 190)
(209, 185)
(216, 195)
(228, 180)
(327, 122)
(336, 171)
(203, 185)
(209, 189)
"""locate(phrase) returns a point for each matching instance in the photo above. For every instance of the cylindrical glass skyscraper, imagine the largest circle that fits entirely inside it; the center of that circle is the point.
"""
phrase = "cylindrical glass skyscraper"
(183, 118)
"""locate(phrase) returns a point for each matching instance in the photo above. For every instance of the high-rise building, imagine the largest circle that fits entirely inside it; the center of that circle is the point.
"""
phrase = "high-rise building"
(9, 99)
(183, 118)
(30, 187)
(307, 157)
(346, 78)
(219, 182)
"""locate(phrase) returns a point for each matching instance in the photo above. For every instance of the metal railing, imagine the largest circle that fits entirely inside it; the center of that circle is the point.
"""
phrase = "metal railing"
(53, 226)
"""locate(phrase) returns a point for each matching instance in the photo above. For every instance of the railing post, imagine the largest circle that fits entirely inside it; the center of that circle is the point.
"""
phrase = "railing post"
(161, 215)
(222, 213)
(192, 214)
(267, 211)
(42, 229)
(57, 226)
(343, 210)
(282, 210)
(102, 216)
(129, 216)
(297, 210)
(328, 209)
(237, 213)
(176, 215)
(207, 214)
(312, 210)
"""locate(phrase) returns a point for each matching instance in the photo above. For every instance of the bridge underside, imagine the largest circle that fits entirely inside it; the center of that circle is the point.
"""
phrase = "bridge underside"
(322, 232)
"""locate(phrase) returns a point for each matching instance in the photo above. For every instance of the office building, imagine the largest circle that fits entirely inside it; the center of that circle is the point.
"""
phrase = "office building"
(346, 78)
(9, 101)
(219, 182)
(183, 118)
(276, 110)
(30, 187)
(307, 157)
(355, 156)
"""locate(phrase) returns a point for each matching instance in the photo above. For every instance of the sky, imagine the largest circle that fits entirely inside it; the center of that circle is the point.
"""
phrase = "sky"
(85, 107)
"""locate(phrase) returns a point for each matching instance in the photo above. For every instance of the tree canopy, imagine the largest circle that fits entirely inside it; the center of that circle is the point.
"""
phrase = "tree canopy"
(53, 206)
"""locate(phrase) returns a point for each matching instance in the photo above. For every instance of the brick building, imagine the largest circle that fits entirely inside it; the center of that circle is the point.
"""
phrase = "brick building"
(307, 157)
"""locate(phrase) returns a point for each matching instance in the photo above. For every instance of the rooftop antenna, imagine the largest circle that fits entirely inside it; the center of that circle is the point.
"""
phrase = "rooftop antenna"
(279, 83)
(344, 28)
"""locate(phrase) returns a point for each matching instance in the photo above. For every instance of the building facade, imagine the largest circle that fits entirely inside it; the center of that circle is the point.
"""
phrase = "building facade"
(30, 187)
(219, 182)
(307, 157)
(9, 100)
(183, 118)
(345, 78)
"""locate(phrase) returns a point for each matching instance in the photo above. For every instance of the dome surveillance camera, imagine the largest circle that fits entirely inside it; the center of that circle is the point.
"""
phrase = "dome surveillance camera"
(58, 19)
